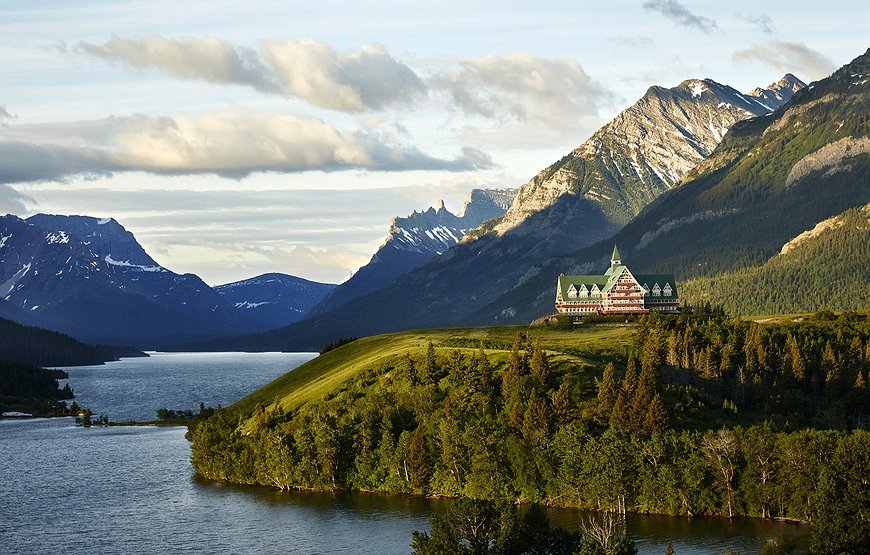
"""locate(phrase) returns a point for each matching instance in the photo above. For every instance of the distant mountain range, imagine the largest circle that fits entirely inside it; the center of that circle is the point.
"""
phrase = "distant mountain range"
(581, 199)
(91, 279)
(274, 300)
(417, 239)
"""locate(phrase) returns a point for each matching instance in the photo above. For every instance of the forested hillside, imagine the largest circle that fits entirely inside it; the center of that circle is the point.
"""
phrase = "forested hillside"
(681, 415)
(48, 348)
(32, 390)
(828, 266)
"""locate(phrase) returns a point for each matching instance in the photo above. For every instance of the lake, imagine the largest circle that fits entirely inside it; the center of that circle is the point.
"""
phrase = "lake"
(132, 489)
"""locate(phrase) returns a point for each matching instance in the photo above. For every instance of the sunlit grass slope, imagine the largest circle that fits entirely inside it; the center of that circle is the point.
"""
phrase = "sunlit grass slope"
(317, 378)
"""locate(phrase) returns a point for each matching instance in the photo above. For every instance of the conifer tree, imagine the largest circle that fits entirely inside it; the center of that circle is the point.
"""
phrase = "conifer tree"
(656, 416)
(794, 359)
(420, 460)
(629, 381)
(831, 368)
(540, 365)
(515, 368)
(619, 416)
(429, 370)
(564, 407)
(607, 391)
(640, 402)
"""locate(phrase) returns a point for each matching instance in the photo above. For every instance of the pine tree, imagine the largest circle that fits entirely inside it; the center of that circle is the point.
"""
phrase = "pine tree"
(831, 369)
(429, 371)
(607, 391)
(639, 406)
(629, 381)
(540, 365)
(794, 359)
(514, 370)
(619, 416)
(563, 404)
(656, 416)
(420, 460)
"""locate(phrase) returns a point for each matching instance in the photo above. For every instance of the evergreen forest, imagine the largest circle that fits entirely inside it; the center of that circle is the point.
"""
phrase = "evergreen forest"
(685, 415)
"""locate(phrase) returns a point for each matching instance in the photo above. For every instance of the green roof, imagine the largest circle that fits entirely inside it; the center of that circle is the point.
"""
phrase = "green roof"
(661, 279)
(605, 281)
(615, 255)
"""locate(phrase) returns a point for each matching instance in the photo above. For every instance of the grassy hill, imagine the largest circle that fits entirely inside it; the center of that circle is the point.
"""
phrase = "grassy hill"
(326, 374)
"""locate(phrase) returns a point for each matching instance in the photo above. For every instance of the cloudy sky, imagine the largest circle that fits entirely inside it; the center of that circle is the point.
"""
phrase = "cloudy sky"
(235, 138)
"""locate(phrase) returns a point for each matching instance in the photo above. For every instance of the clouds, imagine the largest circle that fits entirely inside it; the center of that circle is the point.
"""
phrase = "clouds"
(522, 87)
(785, 55)
(206, 59)
(227, 144)
(516, 86)
(681, 15)
(4, 114)
(368, 78)
(763, 23)
(352, 81)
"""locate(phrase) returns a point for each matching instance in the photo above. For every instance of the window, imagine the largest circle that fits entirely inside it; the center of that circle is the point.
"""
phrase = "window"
(572, 292)
(656, 290)
(583, 291)
(667, 290)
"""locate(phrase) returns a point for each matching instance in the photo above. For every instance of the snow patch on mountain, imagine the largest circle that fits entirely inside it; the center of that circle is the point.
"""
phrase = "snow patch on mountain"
(127, 264)
(647, 148)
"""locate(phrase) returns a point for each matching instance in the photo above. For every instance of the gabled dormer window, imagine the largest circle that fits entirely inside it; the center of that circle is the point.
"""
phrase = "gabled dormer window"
(667, 290)
(656, 290)
(583, 291)
(595, 290)
(646, 289)
(572, 292)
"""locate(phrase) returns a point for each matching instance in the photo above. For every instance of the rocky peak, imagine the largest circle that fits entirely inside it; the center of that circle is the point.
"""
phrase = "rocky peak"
(645, 149)
(779, 93)
(104, 236)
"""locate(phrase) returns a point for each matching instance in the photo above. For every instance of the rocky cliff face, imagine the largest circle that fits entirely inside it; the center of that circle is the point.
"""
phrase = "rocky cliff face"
(647, 148)
(416, 239)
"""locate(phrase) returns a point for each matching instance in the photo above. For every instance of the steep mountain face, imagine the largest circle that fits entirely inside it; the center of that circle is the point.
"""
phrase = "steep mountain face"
(417, 239)
(647, 148)
(771, 180)
(103, 287)
(105, 237)
(274, 300)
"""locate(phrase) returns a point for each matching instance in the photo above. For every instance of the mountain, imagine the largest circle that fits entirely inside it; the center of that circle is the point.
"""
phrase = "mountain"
(89, 278)
(823, 268)
(583, 198)
(274, 300)
(647, 148)
(770, 181)
(417, 239)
